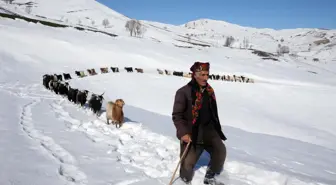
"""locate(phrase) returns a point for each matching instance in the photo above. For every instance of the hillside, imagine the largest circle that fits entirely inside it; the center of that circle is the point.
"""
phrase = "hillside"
(299, 40)
(280, 128)
(305, 43)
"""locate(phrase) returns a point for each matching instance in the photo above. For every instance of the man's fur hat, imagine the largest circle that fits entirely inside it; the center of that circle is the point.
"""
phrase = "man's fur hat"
(200, 66)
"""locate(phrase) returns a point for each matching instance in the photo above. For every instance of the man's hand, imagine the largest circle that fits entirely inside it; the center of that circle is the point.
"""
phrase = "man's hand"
(186, 138)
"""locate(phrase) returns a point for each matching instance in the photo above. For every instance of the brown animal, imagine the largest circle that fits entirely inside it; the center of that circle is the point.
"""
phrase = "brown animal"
(139, 70)
(93, 71)
(104, 70)
(114, 112)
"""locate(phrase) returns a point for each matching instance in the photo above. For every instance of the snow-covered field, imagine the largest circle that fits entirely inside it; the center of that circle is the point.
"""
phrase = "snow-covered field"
(281, 129)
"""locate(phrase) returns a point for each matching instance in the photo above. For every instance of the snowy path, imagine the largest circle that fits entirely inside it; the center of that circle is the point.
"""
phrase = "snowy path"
(129, 145)
(22, 158)
(68, 167)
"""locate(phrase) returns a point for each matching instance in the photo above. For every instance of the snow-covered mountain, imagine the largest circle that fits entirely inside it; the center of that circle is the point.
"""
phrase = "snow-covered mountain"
(281, 129)
(301, 41)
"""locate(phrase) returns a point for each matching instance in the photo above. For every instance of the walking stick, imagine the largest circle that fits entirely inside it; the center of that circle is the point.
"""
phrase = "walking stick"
(178, 164)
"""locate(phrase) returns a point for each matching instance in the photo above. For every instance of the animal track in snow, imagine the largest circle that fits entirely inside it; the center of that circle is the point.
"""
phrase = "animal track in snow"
(136, 146)
(67, 167)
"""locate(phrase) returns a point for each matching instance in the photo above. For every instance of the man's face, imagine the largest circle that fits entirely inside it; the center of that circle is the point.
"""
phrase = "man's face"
(202, 77)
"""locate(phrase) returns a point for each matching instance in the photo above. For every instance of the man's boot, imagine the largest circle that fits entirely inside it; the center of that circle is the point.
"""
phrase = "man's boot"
(210, 177)
(187, 177)
(185, 180)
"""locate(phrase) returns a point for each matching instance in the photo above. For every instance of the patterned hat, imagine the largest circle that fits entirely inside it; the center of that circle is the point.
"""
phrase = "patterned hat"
(200, 66)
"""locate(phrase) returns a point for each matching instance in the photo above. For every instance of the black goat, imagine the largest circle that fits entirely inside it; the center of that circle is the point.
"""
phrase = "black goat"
(81, 97)
(95, 102)
(72, 94)
(115, 69)
(78, 73)
(46, 79)
(58, 77)
(66, 76)
(129, 69)
(55, 85)
(63, 89)
(176, 73)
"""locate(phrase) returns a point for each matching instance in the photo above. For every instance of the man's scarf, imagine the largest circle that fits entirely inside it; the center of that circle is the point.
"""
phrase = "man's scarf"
(198, 102)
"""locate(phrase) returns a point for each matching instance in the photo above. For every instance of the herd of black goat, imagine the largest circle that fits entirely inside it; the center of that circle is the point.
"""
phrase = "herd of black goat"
(229, 78)
(56, 84)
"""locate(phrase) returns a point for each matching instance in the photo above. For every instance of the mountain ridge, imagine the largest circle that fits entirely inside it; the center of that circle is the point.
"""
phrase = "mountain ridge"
(301, 41)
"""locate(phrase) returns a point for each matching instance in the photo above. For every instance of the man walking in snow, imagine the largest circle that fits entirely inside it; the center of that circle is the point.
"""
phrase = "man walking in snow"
(195, 117)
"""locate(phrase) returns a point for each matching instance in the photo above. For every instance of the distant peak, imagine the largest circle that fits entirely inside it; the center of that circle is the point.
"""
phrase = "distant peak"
(209, 22)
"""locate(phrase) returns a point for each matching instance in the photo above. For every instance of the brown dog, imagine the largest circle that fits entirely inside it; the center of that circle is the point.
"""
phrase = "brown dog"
(114, 112)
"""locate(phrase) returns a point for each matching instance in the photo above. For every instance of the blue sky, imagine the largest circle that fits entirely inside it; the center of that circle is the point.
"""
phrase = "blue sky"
(279, 14)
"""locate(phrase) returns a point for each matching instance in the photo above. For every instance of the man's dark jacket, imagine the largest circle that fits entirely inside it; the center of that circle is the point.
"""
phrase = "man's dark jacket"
(182, 112)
